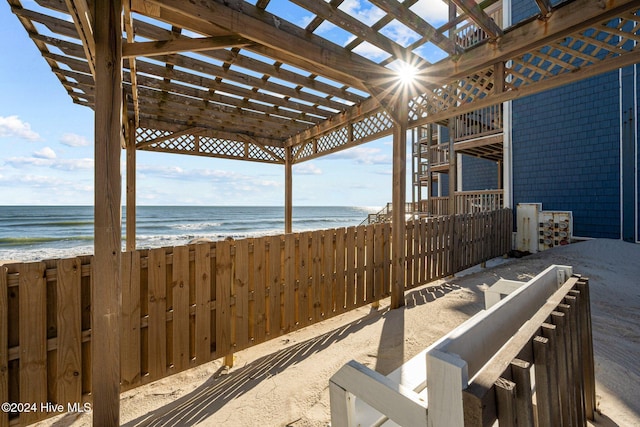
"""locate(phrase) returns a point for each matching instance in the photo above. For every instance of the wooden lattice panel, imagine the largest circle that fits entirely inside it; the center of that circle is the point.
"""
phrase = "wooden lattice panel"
(330, 141)
(145, 134)
(373, 125)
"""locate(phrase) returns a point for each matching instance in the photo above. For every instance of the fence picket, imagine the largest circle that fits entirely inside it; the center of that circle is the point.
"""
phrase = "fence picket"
(259, 290)
(33, 337)
(340, 296)
(180, 292)
(289, 314)
(329, 283)
(130, 340)
(275, 286)
(223, 295)
(241, 293)
(157, 273)
(202, 335)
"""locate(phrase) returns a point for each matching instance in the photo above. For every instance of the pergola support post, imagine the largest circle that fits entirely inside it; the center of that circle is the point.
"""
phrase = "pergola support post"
(288, 191)
(399, 194)
(131, 187)
(106, 286)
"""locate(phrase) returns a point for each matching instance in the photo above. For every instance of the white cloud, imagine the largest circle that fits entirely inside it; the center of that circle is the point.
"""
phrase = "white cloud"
(367, 15)
(53, 163)
(45, 153)
(307, 168)
(363, 156)
(13, 126)
(435, 12)
(74, 140)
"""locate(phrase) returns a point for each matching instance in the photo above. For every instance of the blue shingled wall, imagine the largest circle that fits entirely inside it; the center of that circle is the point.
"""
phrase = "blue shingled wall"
(566, 153)
(479, 174)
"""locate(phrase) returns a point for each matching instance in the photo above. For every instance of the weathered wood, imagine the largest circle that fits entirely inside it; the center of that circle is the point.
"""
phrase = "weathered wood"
(260, 290)
(130, 361)
(241, 292)
(315, 292)
(289, 282)
(223, 295)
(166, 47)
(549, 332)
(506, 400)
(351, 263)
(131, 187)
(328, 275)
(521, 374)
(398, 220)
(203, 277)
(105, 325)
(274, 326)
(586, 345)
(4, 345)
(566, 398)
(544, 402)
(181, 312)
(69, 369)
(157, 324)
(340, 284)
(33, 337)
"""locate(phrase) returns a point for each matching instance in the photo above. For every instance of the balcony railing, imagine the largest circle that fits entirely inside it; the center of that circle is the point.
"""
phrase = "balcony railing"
(478, 123)
(469, 34)
(466, 202)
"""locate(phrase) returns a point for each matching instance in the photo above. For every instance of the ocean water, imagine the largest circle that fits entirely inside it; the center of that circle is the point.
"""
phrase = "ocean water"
(29, 233)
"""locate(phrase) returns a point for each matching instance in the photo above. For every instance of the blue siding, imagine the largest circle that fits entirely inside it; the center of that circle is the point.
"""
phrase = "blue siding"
(479, 174)
(566, 153)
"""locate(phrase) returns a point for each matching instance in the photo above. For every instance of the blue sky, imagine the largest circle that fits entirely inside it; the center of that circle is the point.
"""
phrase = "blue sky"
(46, 143)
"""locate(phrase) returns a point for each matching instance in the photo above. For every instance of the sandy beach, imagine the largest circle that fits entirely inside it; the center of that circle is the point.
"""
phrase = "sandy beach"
(285, 382)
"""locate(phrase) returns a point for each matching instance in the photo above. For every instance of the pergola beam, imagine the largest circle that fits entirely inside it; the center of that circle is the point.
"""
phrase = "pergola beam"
(83, 20)
(473, 9)
(167, 47)
(276, 38)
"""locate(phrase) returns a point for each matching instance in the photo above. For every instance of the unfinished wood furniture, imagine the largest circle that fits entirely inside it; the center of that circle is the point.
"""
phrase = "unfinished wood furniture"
(536, 332)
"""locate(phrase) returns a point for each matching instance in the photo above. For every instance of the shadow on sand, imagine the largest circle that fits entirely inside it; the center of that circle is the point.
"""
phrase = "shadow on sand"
(220, 389)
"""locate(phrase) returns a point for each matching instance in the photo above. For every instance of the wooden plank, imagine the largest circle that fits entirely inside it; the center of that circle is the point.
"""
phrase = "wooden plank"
(259, 290)
(165, 47)
(550, 333)
(350, 245)
(157, 324)
(369, 264)
(275, 286)
(340, 294)
(386, 233)
(329, 283)
(566, 398)
(378, 260)
(570, 310)
(130, 340)
(316, 276)
(542, 361)
(223, 295)
(360, 259)
(241, 293)
(33, 337)
(180, 292)
(521, 374)
(69, 378)
(506, 400)
(587, 350)
(4, 345)
(202, 335)
(289, 282)
(408, 254)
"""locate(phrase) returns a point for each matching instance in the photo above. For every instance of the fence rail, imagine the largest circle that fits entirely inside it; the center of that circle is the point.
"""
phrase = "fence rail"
(184, 306)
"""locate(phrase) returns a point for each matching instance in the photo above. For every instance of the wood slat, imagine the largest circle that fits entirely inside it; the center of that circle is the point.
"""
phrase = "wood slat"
(303, 280)
(260, 290)
(223, 295)
(181, 312)
(275, 286)
(340, 295)
(4, 345)
(69, 370)
(33, 337)
(351, 267)
(157, 323)
(202, 283)
(316, 282)
(360, 265)
(130, 340)
(329, 283)
(289, 282)
(369, 292)
(241, 293)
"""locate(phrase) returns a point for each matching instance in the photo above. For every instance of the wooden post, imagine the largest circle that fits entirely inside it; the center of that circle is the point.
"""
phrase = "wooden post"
(131, 187)
(288, 191)
(398, 201)
(106, 286)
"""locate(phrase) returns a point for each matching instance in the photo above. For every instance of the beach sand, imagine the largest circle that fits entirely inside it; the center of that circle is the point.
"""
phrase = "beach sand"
(285, 382)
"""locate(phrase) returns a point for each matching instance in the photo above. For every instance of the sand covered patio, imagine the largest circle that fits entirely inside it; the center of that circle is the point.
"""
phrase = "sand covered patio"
(284, 382)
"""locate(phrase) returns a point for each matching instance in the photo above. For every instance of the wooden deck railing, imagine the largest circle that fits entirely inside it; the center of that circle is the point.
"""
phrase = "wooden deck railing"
(466, 202)
(186, 305)
(479, 123)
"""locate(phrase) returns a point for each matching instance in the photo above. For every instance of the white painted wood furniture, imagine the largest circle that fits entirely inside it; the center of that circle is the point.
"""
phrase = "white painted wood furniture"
(428, 389)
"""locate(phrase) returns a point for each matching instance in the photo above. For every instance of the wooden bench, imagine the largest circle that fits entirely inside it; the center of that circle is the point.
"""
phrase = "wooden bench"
(482, 370)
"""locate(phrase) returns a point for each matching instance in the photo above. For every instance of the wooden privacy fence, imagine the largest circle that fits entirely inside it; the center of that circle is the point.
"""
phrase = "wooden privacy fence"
(186, 305)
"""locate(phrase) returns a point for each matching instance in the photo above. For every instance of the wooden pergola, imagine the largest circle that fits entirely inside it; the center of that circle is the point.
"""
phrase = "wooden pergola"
(234, 79)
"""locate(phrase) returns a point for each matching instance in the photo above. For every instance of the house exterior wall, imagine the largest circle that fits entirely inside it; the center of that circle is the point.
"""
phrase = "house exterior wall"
(566, 153)
(479, 174)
